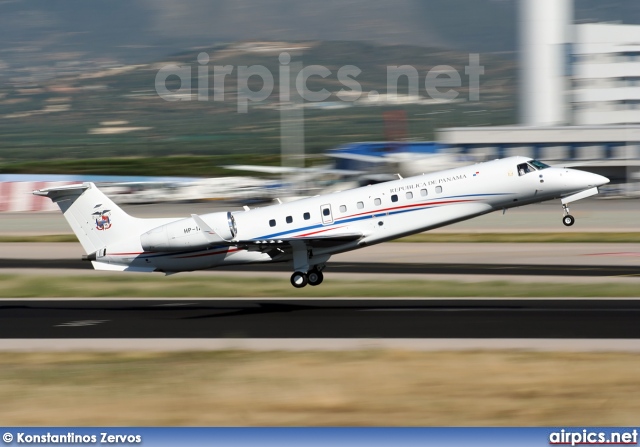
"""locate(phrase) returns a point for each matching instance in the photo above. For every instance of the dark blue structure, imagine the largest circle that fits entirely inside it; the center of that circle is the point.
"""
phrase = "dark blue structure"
(361, 151)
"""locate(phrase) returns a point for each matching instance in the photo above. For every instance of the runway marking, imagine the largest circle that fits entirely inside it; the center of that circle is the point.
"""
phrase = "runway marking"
(173, 304)
(81, 323)
(622, 253)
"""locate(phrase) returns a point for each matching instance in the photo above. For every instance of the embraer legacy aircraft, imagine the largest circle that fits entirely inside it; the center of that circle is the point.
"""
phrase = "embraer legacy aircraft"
(307, 232)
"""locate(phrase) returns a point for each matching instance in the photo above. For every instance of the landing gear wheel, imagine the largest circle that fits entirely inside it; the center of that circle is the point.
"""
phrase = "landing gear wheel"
(315, 277)
(299, 280)
(568, 220)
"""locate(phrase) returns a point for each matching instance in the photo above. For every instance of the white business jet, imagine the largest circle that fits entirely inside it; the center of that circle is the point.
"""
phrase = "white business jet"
(307, 232)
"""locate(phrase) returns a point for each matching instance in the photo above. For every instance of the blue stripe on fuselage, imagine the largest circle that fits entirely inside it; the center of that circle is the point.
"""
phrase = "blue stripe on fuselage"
(342, 221)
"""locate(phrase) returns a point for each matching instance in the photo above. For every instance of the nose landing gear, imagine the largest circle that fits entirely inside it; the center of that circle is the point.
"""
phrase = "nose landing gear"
(568, 219)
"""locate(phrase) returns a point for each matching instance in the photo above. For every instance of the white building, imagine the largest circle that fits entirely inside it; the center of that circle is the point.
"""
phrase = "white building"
(545, 38)
(606, 74)
(611, 145)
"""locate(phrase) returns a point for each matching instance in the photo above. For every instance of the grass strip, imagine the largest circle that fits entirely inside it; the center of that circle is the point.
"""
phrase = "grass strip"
(39, 238)
(585, 237)
(360, 388)
(149, 285)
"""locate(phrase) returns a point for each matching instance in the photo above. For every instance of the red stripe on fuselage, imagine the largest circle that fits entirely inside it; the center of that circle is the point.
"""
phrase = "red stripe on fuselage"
(231, 250)
(180, 257)
(318, 232)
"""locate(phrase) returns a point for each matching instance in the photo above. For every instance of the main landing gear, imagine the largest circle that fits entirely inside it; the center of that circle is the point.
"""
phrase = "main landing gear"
(568, 219)
(301, 279)
(307, 267)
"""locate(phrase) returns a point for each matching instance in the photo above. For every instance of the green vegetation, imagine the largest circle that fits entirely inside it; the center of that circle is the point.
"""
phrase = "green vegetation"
(178, 166)
(185, 285)
(97, 107)
(583, 237)
(39, 238)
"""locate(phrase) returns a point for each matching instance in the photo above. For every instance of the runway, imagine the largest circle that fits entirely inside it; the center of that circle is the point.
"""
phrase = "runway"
(577, 260)
(341, 323)
(394, 268)
(320, 319)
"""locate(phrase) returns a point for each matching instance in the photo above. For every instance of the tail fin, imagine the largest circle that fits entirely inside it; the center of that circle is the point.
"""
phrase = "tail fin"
(93, 217)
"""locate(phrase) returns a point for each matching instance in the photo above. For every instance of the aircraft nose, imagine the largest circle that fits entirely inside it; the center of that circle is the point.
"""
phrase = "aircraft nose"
(597, 180)
(576, 179)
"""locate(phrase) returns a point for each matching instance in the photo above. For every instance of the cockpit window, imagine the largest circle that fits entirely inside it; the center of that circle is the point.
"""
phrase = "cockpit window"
(531, 166)
(525, 168)
(539, 165)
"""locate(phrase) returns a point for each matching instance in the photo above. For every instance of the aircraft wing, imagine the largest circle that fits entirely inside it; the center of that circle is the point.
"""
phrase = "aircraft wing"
(359, 157)
(289, 170)
(311, 241)
(266, 244)
(264, 169)
(284, 247)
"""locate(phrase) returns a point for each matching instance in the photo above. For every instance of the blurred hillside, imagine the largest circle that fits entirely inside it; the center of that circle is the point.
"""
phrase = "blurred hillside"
(117, 111)
(77, 77)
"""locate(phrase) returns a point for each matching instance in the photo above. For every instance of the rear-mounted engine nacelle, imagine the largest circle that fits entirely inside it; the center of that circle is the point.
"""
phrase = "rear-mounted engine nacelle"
(187, 234)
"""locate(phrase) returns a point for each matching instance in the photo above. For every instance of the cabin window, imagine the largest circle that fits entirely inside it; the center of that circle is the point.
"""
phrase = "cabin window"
(438, 189)
(377, 201)
(306, 216)
(423, 192)
(326, 211)
(409, 195)
(343, 208)
(289, 219)
(272, 223)
(360, 205)
(394, 198)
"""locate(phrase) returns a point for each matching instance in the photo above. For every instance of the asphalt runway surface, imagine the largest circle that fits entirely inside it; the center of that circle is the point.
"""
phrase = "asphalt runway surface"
(320, 319)
(375, 268)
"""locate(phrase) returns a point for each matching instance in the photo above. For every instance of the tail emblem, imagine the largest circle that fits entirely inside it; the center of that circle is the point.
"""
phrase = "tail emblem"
(103, 220)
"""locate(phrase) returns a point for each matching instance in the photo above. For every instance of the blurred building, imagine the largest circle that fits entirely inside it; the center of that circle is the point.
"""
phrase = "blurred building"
(606, 74)
(579, 97)
(576, 74)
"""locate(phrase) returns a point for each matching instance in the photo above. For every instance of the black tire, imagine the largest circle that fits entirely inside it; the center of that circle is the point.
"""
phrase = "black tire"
(299, 280)
(315, 278)
(568, 220)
